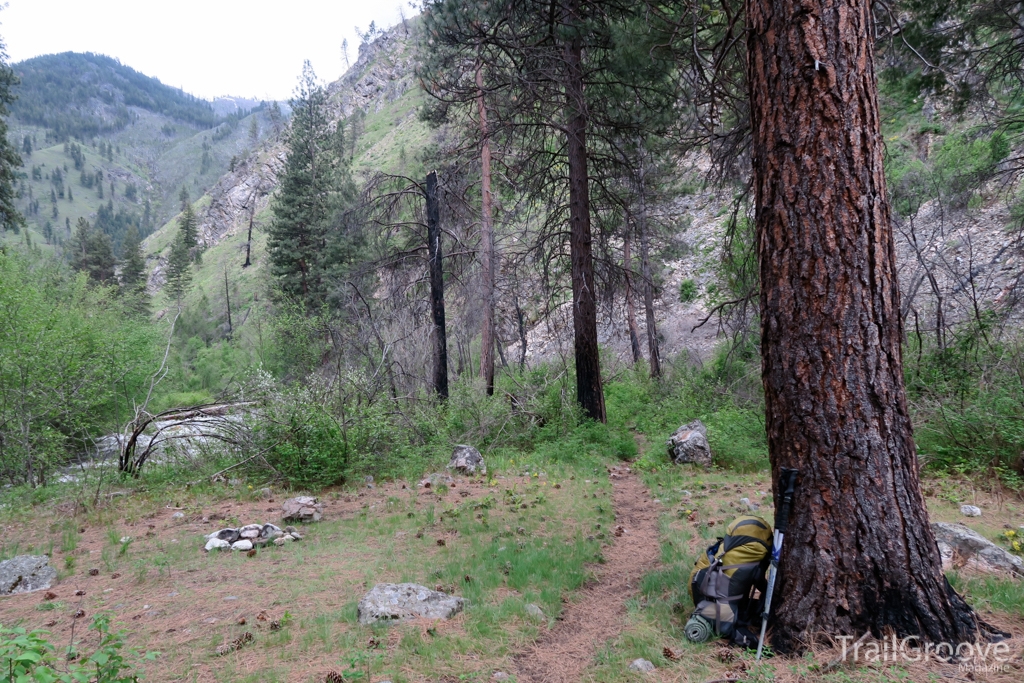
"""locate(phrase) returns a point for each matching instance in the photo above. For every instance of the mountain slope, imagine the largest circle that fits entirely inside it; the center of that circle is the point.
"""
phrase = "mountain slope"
(79, 95)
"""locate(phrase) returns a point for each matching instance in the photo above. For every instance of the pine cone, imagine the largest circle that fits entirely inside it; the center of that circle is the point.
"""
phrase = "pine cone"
(670, 654)
(334, 677)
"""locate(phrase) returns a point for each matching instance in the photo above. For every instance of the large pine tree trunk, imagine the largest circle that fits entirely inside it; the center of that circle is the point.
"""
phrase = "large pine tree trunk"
(486, 242)
(859, 553)
(589, 392)
(645, 269)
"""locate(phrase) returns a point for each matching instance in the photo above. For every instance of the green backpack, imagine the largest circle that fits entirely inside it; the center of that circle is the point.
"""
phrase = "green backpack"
(724, 579)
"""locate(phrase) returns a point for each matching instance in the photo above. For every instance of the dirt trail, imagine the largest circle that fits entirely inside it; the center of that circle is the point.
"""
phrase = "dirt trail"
(563, 654)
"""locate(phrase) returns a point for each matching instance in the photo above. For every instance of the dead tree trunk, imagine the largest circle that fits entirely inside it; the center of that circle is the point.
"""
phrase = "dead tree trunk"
(648, 283)
(627, 266)
(486, 242)
(437, 288)
(227, 299)
(859, 553)
(589, 392)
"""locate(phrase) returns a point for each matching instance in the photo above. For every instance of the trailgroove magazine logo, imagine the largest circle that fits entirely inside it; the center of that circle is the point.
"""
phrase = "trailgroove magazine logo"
(972, 657)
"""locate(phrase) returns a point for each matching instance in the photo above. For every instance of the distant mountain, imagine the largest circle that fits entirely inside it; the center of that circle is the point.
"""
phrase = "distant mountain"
(82, 95)
(223, 106)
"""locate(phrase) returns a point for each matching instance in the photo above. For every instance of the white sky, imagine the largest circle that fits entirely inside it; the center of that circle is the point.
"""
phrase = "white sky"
(251, 48)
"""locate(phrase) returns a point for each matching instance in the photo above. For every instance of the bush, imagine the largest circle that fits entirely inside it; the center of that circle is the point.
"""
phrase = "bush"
(29, 656)
(687, 291)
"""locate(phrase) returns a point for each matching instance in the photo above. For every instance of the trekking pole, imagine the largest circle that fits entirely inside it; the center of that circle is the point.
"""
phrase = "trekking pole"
(788, 483)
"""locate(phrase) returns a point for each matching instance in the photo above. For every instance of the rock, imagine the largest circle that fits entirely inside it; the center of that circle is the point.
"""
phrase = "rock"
(500, 676)
(436, 479)
(263, 494)
(244, 544)
(534, 611)
(689, 443)
(269, 532)
(178, 515)
(281, 540)
(467, 460)
(403, 601)
(753, 507)
(302, 509)
(216, 544)
(641, 665)
(26, 573)
(970, 511)
(250, 531)
(963, 547)
(229, 535)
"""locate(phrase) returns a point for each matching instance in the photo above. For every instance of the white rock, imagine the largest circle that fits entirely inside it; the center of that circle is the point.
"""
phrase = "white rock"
(467, 460)
(402, 601)
(963, 547)
(534, 611)
(215, 544)
(244, 544)
(689, 443)
(970, 511)
(178, 515)
(641, 665)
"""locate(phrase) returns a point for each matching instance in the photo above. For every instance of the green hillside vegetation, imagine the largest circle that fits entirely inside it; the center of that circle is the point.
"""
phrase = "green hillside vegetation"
(80, 181)
(79, 96)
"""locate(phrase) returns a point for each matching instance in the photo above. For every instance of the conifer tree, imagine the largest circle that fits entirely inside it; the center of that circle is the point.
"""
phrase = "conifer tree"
(314, 188)
(92, 252)
(133, 273)
(179, 269)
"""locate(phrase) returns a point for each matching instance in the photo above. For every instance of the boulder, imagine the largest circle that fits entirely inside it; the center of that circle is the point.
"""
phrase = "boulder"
(467, 460)
(269, 532)
(403, 601)
(244, 544)
(963, 547)
(302, 509)
(970, 511)
(642, 665)
(216, 544)
(689, 443)
(26, 573)
(250, 531)
(228, 535)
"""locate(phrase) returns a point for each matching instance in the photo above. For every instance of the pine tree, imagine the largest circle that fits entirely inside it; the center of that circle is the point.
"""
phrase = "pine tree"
(179, 269)
(71, 197)
(188, 229)
(92, 252)
(314, 188)
(133, 274)
(133, 264)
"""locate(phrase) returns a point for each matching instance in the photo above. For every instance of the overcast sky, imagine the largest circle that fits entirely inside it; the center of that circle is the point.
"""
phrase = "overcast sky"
(253, 48)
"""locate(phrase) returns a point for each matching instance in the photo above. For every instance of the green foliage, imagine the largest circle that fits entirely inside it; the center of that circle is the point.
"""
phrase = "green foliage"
(687, 291)
(966, 399)
(311, 236)
(10, 219)
(57, 90)
(69, 360)
(91, 253)
(28, 656)
(179, 268)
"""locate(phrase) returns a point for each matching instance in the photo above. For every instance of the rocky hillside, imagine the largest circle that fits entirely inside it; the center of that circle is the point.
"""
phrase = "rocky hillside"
(962, 257)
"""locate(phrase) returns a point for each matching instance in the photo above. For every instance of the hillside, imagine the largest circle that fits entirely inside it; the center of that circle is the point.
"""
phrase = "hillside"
(147, 138)
(77, 95)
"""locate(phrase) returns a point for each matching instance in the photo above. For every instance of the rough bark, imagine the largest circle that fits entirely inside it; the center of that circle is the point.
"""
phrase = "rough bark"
(486, 242)
(627, 266)
(434, 258)
(859, 553)
(589, 392)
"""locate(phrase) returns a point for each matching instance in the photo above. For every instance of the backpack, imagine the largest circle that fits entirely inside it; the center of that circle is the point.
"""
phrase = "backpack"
(724, 579)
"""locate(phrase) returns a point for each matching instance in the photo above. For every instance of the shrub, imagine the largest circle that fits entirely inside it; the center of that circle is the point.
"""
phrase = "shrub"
(29, 656)
(687, 291)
